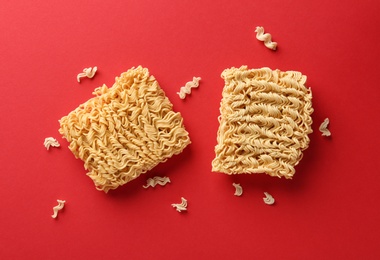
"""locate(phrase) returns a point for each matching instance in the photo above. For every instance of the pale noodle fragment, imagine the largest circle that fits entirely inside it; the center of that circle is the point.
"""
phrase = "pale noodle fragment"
(50, 141)
(187, 88)
(265, 37)
(61, 204)
(182, 206)
(323, 128)
(87, 72)
(152, 182)
(239, 189)
(268, 199)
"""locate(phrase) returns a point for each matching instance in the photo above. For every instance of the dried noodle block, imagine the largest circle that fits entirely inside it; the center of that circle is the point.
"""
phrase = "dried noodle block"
(125, 130)
(265, 119)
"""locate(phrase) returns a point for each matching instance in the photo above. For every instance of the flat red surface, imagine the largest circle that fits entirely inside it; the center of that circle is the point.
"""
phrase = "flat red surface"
(328, 211)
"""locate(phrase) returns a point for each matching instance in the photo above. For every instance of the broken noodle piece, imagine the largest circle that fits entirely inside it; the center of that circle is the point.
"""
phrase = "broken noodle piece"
(152, 182)
(51, 142)
(265, 37)
(61, 204)
(238, 189)
(187, 88)
(87, 72)
(323, 128)
(268, 199)
(180, 206)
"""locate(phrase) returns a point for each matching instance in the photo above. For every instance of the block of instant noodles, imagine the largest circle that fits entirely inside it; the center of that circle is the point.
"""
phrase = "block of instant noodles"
(125, 130)
(265, 119)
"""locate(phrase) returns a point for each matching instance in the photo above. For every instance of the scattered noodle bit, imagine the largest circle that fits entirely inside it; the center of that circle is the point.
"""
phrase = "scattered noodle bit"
(152, 182)
(323, 128)
(239, 189)
(187, 88)
(50, 141)
(61, 204)
(87, 72)
(182, 206)
(264, 122)
(266, 38)
(124, 131)
(269, 200)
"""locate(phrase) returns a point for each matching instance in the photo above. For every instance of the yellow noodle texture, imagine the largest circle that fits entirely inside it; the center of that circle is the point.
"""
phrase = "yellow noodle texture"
(265, 119)
(125, 130)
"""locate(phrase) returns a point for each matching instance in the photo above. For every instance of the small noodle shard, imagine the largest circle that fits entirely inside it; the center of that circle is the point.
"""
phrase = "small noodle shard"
(264, 122)
(61, 204)
(268, 199)
(87, 72)
(187, 88)
(323, 128)
(125, 130)
(152, 182)
(265, 37)
(239, 189)
(50, 141)
(182, 206)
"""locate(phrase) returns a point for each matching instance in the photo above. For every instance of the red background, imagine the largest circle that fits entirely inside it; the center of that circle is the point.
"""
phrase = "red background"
(328, 211)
